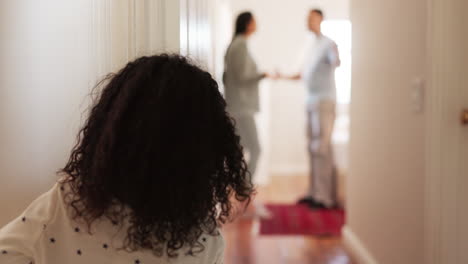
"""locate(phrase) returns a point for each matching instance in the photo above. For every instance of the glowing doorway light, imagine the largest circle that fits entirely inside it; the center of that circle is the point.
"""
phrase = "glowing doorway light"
(340, 32)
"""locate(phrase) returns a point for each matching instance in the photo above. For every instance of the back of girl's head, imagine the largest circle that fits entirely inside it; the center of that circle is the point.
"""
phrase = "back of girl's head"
(242, 23)
(159, 142)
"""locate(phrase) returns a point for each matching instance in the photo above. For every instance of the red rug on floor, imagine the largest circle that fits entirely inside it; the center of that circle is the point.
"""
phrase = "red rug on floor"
(300, 220)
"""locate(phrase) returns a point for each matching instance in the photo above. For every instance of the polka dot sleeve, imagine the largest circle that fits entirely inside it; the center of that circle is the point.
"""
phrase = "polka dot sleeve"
(220, 254)
(18, 238)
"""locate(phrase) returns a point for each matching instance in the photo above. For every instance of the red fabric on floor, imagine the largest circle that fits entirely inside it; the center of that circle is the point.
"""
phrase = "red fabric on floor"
(300, 220)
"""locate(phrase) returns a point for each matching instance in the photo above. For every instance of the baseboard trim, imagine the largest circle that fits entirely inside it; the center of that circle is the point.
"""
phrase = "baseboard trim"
(356, 248)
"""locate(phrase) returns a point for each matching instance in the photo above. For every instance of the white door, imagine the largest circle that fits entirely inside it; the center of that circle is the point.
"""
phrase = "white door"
(463, 169)
(462, 202)
(196, 31)
(447, 163)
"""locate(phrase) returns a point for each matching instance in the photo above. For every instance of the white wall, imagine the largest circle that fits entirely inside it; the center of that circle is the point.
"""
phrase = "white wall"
(385, 188)
(279, 44)
(222, 30)
(44, 78)
(52, 52)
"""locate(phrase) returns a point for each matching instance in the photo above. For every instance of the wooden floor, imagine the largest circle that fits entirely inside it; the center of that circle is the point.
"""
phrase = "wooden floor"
(245, 246)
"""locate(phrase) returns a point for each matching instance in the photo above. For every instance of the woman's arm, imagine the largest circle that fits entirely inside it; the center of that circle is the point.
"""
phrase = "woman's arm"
(239, 68)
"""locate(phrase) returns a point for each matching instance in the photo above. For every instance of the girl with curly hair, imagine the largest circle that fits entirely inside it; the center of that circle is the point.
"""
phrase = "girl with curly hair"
(153, 176)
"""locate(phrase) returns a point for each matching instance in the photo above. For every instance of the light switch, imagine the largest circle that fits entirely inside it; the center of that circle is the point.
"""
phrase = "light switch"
(417, 95)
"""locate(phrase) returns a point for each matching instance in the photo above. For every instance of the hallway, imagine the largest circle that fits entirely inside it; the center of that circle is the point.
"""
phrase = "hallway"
(245, 246)
(406, 154)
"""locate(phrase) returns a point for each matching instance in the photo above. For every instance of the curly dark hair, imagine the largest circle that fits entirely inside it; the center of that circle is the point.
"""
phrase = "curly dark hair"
(160, 152)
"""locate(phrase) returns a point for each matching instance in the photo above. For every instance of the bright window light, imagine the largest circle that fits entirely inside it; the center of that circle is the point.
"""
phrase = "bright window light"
(340, 32)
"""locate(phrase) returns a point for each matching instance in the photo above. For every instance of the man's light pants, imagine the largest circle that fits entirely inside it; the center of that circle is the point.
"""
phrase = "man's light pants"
(320, 122)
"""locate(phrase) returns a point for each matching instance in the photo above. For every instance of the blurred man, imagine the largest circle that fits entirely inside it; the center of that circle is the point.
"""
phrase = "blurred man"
(319, 78)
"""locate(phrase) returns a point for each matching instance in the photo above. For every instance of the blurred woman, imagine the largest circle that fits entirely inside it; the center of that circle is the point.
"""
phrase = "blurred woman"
(150, 180)
(241, 80)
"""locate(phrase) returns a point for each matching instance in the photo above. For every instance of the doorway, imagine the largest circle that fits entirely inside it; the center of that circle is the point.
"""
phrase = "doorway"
(283, 174)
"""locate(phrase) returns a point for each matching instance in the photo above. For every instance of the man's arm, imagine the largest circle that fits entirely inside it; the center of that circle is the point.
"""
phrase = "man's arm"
(294, 77)
(335, 58)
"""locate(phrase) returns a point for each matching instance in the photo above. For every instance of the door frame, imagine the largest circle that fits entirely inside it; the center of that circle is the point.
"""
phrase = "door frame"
(442, 136)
